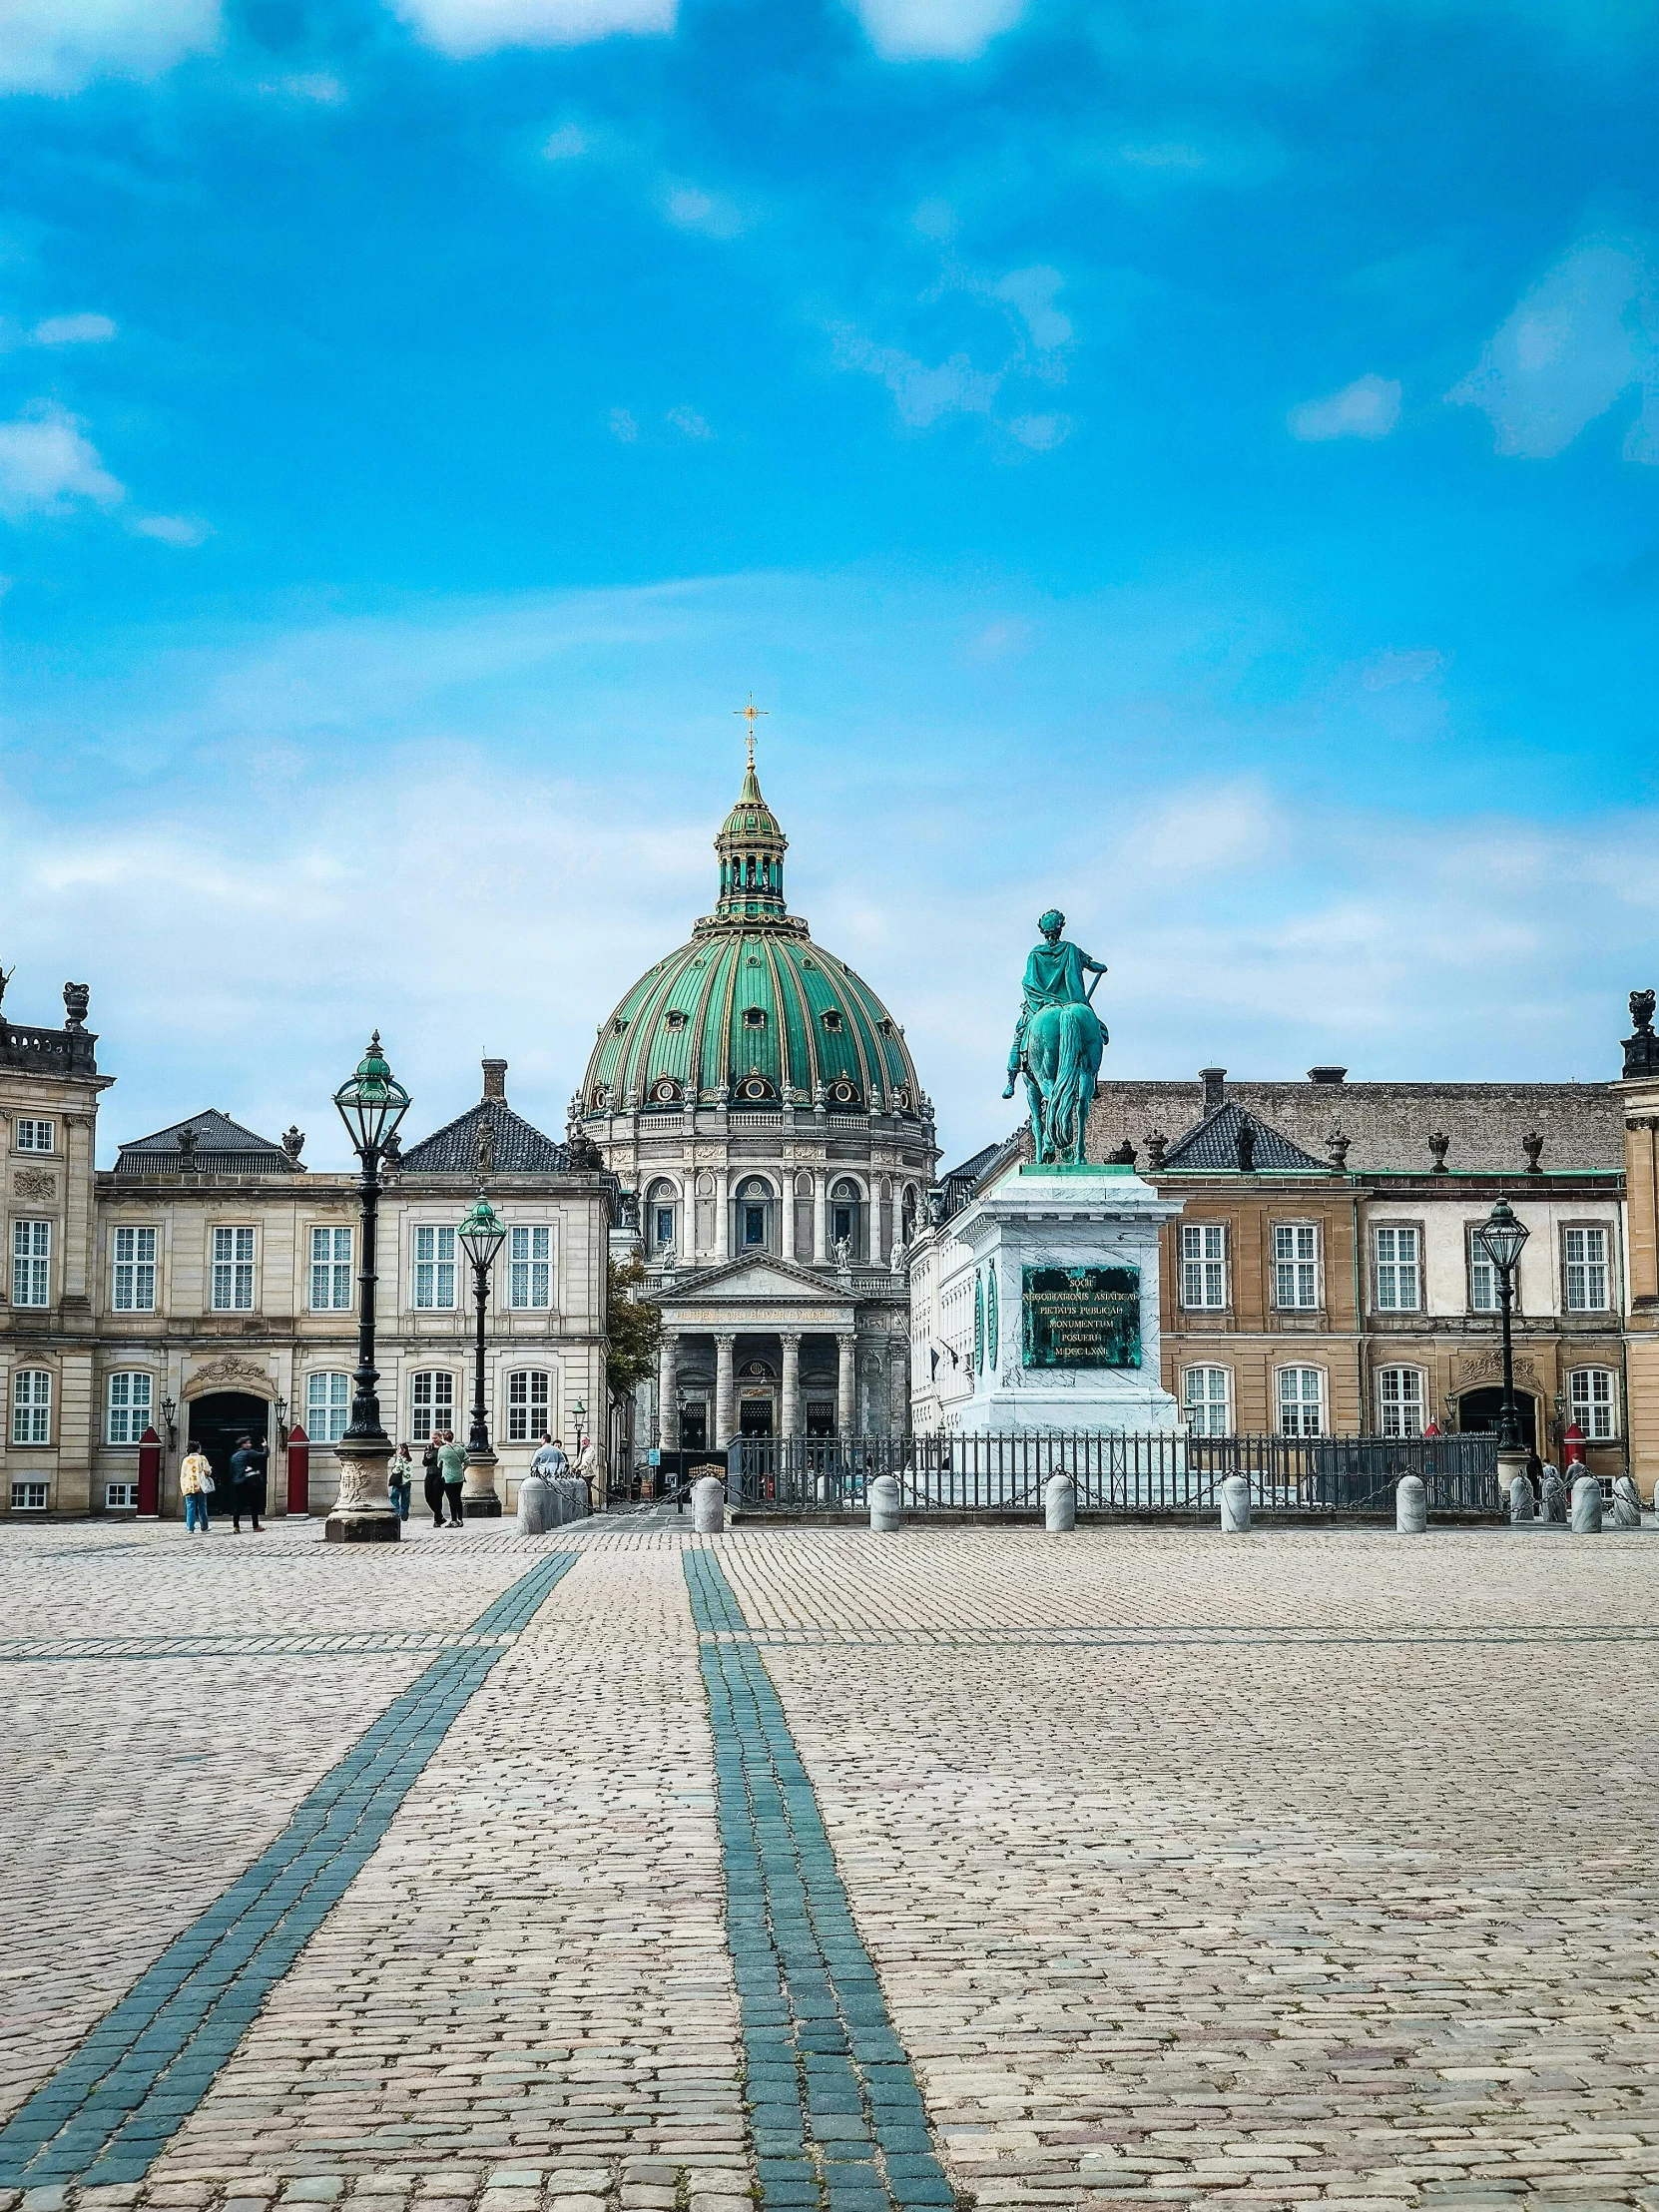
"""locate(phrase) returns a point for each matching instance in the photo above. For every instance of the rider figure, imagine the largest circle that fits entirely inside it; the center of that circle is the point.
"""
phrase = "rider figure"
(1053, 977)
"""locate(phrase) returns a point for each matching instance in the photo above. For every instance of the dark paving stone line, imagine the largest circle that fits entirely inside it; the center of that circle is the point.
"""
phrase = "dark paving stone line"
(835, 2114)
(107, 2111)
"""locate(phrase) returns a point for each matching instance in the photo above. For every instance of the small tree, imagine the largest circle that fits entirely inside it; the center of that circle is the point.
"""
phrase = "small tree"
(636, 1329)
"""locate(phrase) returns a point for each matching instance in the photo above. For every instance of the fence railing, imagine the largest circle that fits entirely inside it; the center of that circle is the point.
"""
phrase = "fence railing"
(1157, 1472)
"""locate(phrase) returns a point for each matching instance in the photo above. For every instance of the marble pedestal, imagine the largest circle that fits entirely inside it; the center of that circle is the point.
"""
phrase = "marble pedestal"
(478, 1494)
(362, 1512)
(1099, 1227)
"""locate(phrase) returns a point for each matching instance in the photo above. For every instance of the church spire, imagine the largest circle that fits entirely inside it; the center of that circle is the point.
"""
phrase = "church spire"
(751, 845)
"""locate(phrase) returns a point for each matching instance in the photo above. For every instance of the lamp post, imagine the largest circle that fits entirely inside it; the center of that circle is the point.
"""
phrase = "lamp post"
(372, 1103)
(480, 1236)
(579, 1414)
(1501, 1237)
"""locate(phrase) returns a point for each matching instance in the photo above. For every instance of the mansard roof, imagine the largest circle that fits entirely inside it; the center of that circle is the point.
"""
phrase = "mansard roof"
(223, 1147)
(520, 1148)
(1215, 1144)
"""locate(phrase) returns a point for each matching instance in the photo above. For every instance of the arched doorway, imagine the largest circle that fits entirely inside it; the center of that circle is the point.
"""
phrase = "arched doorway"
(1479, 1411)
(217, 1424)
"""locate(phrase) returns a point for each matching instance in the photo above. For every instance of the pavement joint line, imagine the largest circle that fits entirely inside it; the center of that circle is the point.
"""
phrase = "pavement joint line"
(105, 2114)
(833, 2108)
(1158, 1637)
(272, 1643)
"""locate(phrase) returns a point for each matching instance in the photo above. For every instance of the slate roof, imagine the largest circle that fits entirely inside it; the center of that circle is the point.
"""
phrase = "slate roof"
(520, 1148)
(1214, 1144)
(223, 1147)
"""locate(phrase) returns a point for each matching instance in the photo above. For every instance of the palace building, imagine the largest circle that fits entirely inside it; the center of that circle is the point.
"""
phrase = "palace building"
(761, 1102)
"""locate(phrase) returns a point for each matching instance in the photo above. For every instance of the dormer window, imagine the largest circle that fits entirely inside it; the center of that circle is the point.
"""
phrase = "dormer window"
(754, 1017)
(618, 1025)
(676, 1019)
(830, 1018)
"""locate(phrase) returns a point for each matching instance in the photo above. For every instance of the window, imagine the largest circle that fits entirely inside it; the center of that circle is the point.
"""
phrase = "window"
(1585, 1255)
(1399, 1285)
(233, 1284)
(330, 1271)
(1590, 1397)
(37, 1136)
(844, 1215)
(1483, 1292)
(1204, 1264)
(528, 1398)
(1296, 1264)
(133, 1273)
(1206, 1395)
(754, 1214)
(432, 1404)
(31, 1262)
(662, 1228)
(1300, 1402)
(327, 1407)
(529, 1268)
(31, 1407)
(129, 1409)
(1399, 1400)
(28, 1497)
(435, 1275)
(661, 1224)
(119, 1497)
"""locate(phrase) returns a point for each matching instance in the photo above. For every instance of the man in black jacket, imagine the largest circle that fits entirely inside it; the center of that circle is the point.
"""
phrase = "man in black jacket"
(246, 1485)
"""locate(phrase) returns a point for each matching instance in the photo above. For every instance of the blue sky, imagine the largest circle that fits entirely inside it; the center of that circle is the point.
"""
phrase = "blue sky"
(1196, 464)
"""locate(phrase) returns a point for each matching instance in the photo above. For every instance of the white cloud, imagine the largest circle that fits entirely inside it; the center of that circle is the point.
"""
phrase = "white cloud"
(1031, 292)
(461, 28)
(567, 144)
(922, 394)
(60, 45)
(935, 30)
(320, 86)
(1390, 668)
(1041, 432)
(1586, 333)
(687, 421)
(73, 329)
(172, 529)
(692, 209)
(1366, 409)
(46, 466)
(622, 425)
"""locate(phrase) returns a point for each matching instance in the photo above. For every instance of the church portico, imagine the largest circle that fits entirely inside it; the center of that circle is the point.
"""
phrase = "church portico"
(755, 1351)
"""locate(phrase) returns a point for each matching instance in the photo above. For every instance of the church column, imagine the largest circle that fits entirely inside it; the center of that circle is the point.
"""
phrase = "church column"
(723, 1217)
(786, 1182)
(668, 1391)
(789, 1414)
(725, 1394)
(843, 1384)
(820, 1214)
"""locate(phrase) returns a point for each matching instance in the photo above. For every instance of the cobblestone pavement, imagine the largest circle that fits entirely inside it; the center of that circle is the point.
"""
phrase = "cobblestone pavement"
(1302, 1867)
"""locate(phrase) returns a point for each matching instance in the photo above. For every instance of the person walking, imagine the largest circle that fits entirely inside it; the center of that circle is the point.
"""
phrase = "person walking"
(195, 1484)
(400, 1472)
(246, 1486)
(452, 1466)
(433, 1484)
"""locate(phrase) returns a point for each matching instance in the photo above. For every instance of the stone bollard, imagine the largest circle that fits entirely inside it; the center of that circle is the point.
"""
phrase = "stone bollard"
(1628, 1503)
(1553, 1500)
(708, 1505)
(886, 1511)
(1586, 1507)
(535, 1507)
(1232, 1496)
(1412, 1504)
(1520, 1501)
(1059, 1504)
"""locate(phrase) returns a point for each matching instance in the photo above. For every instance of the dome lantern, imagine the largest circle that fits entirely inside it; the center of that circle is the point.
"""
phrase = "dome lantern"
(750, 847)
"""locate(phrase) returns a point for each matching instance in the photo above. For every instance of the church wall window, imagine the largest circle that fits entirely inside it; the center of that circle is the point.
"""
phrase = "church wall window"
(529, 1269)
(846, 1216)
(754, 1202)
(662, 1216)
(434, 1269)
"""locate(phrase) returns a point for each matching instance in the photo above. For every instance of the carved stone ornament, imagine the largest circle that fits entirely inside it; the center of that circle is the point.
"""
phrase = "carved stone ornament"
(1336, 1146)
(1641, 1048)
(1157, 1144)
(1440, 1144)
(1532, 1145)
(1473, 1365)
(226, 1374)
(32, 1183)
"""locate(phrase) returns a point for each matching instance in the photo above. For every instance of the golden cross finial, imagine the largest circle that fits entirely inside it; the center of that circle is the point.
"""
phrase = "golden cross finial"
(751, 715)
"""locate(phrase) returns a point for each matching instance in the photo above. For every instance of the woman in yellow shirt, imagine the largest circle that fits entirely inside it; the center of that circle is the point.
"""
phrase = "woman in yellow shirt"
(195, 1481)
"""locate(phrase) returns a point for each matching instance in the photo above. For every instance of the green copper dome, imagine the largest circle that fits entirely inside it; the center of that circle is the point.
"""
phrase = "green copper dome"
(751, 1010)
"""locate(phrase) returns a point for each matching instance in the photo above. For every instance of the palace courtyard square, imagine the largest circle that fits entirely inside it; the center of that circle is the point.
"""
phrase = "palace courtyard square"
(617, 1871)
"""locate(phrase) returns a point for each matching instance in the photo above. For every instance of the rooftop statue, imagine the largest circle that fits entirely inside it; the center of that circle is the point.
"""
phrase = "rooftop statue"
(1058, 1044)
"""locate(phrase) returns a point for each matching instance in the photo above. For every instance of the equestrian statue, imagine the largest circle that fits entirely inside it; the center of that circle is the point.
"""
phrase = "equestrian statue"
(1058, 1044)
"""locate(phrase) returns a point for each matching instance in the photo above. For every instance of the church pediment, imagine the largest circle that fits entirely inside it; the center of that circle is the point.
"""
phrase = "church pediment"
(766, 1280)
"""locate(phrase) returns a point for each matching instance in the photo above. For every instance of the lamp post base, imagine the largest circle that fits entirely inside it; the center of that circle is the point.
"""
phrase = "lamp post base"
(478, 1498)
(363, 1513)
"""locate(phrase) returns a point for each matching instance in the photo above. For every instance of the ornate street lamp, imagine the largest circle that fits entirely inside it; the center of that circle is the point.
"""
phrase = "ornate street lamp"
(1501, 1237)
(579, 1414)
(372, 1103)
(480, 1236)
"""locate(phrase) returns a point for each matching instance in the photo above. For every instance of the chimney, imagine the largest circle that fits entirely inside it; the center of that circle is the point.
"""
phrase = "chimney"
(495, 1078)
(1328, 1075)
(1215, 1088)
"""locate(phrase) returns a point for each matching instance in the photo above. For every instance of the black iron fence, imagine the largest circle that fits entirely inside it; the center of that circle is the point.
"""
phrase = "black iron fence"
(1159, 1472)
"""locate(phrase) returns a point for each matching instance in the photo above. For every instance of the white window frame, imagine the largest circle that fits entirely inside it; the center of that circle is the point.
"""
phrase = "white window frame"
(329, 1268)
(433, 1405)
(1397, 1262)
(133, 1268)
(38, 1137)
(129, 1403)
(1401, 1400)
(1587, 1401)
(1286, 1404)
(433, 1279)
(1206, 1269)
(330, 1405)
(31, 1262)
(530, 1268)
(1482, 1273)
(29, 1495)
(1298, 1272)
(1585, 1270)
(1202, 1405)
(32, 1405)
(232, 1258)
(529, 1403)
(119, 1497)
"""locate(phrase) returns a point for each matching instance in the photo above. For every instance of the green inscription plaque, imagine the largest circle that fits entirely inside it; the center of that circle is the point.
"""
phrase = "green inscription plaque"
(1082, 1316)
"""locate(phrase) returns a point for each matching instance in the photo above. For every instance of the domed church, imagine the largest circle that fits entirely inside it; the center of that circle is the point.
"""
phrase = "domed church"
(760, 1102)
